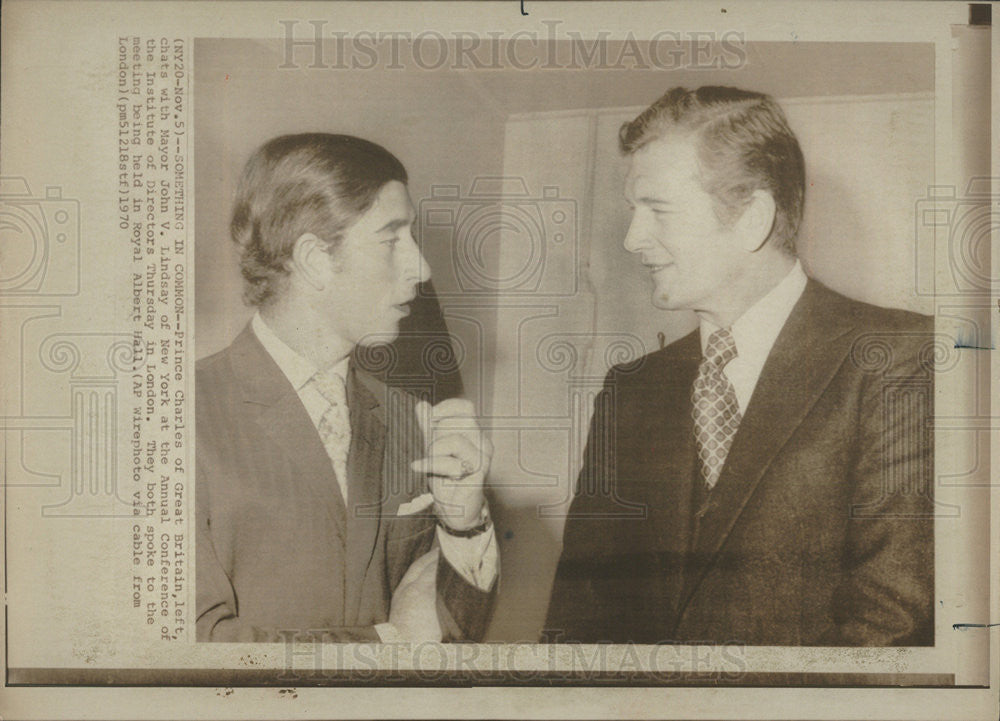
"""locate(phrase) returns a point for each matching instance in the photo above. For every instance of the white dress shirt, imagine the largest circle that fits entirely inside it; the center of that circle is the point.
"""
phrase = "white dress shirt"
(755, 331)
(474, 558)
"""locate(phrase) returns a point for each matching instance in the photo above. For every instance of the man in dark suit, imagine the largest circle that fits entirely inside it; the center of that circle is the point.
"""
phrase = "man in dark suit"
(767, 479)
(330, 506)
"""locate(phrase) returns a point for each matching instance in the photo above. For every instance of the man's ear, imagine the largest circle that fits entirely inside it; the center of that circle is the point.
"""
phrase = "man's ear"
(310, 261)
(754, 226)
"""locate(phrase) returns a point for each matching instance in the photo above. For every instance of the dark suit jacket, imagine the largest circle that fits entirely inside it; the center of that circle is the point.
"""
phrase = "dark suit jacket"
(819, 530)
(278, 551)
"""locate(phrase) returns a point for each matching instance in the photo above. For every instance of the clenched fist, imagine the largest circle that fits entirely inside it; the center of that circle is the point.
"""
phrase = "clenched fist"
(457, 461)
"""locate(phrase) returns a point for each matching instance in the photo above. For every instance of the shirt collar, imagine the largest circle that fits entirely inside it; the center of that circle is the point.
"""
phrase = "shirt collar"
(298, 369)
(756, 330)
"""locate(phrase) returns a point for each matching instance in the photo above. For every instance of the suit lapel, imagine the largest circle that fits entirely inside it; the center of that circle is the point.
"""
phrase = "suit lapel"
(672, 429)
(678, 429)
(803, 361)
(364, 483)
(669, 425)
(283, 417)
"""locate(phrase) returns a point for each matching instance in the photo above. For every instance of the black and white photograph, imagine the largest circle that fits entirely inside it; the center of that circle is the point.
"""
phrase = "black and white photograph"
(558, 241)
(482, 353)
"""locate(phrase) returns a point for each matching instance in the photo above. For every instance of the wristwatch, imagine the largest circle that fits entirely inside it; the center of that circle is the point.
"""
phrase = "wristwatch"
(485, 524)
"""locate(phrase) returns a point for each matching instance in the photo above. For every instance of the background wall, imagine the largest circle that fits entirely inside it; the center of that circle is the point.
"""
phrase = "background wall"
(518, 186)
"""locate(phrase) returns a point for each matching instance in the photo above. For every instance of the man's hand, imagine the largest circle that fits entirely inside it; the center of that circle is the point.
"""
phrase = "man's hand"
(458, 459)
(413, 611)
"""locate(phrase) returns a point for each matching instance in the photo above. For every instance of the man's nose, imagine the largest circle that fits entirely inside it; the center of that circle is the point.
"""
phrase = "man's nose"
(423, 268)
(637, 237)
(417, 268)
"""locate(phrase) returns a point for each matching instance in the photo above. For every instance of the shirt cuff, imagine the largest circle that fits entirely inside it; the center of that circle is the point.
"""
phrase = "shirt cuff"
(475, 559)
(388, 633)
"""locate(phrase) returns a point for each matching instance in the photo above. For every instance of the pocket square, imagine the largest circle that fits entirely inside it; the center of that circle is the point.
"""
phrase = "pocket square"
(415, 505)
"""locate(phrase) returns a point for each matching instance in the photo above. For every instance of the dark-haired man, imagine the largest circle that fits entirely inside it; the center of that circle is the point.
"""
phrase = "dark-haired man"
(329, 506)
(781, 469)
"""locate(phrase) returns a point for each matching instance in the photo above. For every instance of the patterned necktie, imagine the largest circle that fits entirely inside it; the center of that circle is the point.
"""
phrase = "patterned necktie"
(335, 424)
(714, 406)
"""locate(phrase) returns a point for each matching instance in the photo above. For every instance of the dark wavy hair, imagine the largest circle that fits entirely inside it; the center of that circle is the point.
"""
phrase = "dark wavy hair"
(294, 184)
(744, 144)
